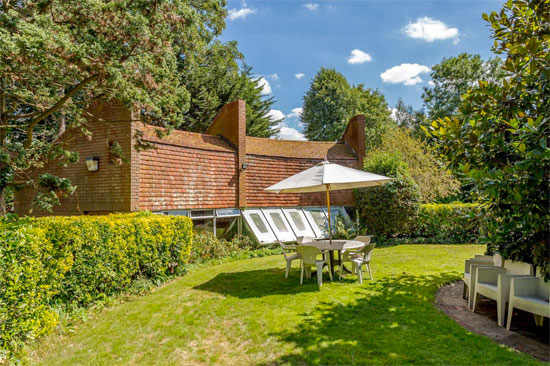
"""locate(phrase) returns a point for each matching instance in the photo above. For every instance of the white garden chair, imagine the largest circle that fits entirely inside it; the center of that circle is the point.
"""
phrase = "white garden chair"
(357, 259)
(304, 240)
(308, 256)
(469, 278)
(494, 283)
(289, 252)
(529, 294)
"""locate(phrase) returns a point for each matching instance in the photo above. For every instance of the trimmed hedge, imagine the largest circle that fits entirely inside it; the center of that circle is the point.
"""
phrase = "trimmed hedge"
(448, 223)
(77, 261)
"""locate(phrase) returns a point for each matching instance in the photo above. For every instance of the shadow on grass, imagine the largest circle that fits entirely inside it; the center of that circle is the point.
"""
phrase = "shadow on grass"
(392, 321)
(259, 283)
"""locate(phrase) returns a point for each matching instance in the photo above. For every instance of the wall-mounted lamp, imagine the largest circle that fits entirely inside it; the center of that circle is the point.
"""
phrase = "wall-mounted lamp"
(92, 163)
(244, 166)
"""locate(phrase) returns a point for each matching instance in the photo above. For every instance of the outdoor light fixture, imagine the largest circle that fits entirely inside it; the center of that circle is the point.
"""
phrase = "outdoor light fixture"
(244, 166)
(92, 163)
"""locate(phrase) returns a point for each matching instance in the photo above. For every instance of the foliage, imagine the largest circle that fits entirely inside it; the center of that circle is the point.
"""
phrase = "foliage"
(331, 101)
(500, 141)
(389, 209)
(117, 154)
(344, 228)
(449, 223)
(240, 312)
(453, 77)
(77, 261)
(433, 179)
(410, 119)
(57, 57)
(206, 246)
(213, 78)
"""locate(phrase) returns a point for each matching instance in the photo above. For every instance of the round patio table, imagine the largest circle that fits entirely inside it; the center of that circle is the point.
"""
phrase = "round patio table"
(337, 245)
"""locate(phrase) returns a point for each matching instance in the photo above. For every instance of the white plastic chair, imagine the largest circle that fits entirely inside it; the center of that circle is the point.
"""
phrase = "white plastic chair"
(494, 283)
(287, 250)
(365, 239)
(357, 259)
(530, 294)
(469, 278)
(309, 259)
(304, 240)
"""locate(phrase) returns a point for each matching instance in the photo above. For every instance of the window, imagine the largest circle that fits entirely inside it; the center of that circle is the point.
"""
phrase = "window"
(228, 212)
(259, 226)
(259, 223)
(202, 213)
(318, 221)
(278, 221)
(337, 212)
(298, 222)
(279, 224)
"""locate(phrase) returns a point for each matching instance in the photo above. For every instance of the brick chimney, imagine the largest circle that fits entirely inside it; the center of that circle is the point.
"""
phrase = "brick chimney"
(230, 123)
(354, 137)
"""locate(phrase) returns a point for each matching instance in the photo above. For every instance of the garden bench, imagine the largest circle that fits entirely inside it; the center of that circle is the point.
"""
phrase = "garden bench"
(494, 283)
(530, 294)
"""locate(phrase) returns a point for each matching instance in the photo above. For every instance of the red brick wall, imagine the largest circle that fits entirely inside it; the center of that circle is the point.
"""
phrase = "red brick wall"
(176, 177)
(264, 171)
(354, 137)
(106, 190)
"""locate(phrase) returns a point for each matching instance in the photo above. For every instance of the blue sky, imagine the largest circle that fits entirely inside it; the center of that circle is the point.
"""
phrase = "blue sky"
(388, 45)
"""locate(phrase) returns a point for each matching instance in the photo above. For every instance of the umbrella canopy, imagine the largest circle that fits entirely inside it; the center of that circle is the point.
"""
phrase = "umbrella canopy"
(335, 177)
(327, 177)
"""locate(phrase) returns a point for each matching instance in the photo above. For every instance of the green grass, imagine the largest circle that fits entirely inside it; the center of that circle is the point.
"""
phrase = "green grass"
(246, 313)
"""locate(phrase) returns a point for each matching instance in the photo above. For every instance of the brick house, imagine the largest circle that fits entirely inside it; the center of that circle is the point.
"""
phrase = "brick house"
(210, 176)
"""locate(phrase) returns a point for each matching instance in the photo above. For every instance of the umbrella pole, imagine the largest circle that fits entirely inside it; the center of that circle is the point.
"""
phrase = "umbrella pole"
(328, 209)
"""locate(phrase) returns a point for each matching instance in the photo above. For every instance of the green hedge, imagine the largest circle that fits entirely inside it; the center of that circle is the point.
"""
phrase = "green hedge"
(448, 223)
(57, 262)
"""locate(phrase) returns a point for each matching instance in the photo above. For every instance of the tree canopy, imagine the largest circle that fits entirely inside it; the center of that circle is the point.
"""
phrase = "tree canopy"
(215, 75)
(432, 178)
(500, 140)
(159, 57)
(331, 101)
(453, 77)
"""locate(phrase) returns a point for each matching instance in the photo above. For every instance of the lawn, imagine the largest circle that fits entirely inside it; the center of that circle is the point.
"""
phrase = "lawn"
(246, 313)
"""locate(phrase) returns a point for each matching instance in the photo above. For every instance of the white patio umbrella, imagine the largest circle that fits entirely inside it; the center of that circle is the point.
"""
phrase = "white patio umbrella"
(327, 176)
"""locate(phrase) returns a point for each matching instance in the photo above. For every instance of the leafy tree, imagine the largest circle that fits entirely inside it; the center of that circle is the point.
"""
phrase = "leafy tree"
(56, 57)
(432, 178)
(327, 106)
(408, 118)
(500, 141)
(331, 101)
(213, 78)
(390, 209)
(453, 77)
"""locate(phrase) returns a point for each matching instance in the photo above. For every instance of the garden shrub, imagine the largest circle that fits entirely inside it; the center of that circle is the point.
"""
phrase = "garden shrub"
(206, 246)
(448, 223)
(390, 209)
(77, 261)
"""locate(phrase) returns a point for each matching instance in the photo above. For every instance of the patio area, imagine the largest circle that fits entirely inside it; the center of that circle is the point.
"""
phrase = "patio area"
(246, 313)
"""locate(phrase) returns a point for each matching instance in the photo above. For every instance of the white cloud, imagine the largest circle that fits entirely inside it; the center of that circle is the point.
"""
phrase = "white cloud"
(407, 74)
(241, 13)
(358, 57)
(274, 76)
(393, 113)
(431, 83)
(311, 6)
(275, 114)
(266, 88)
(430, 30)
(295, 112)
(289, 133)
(299, 75)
